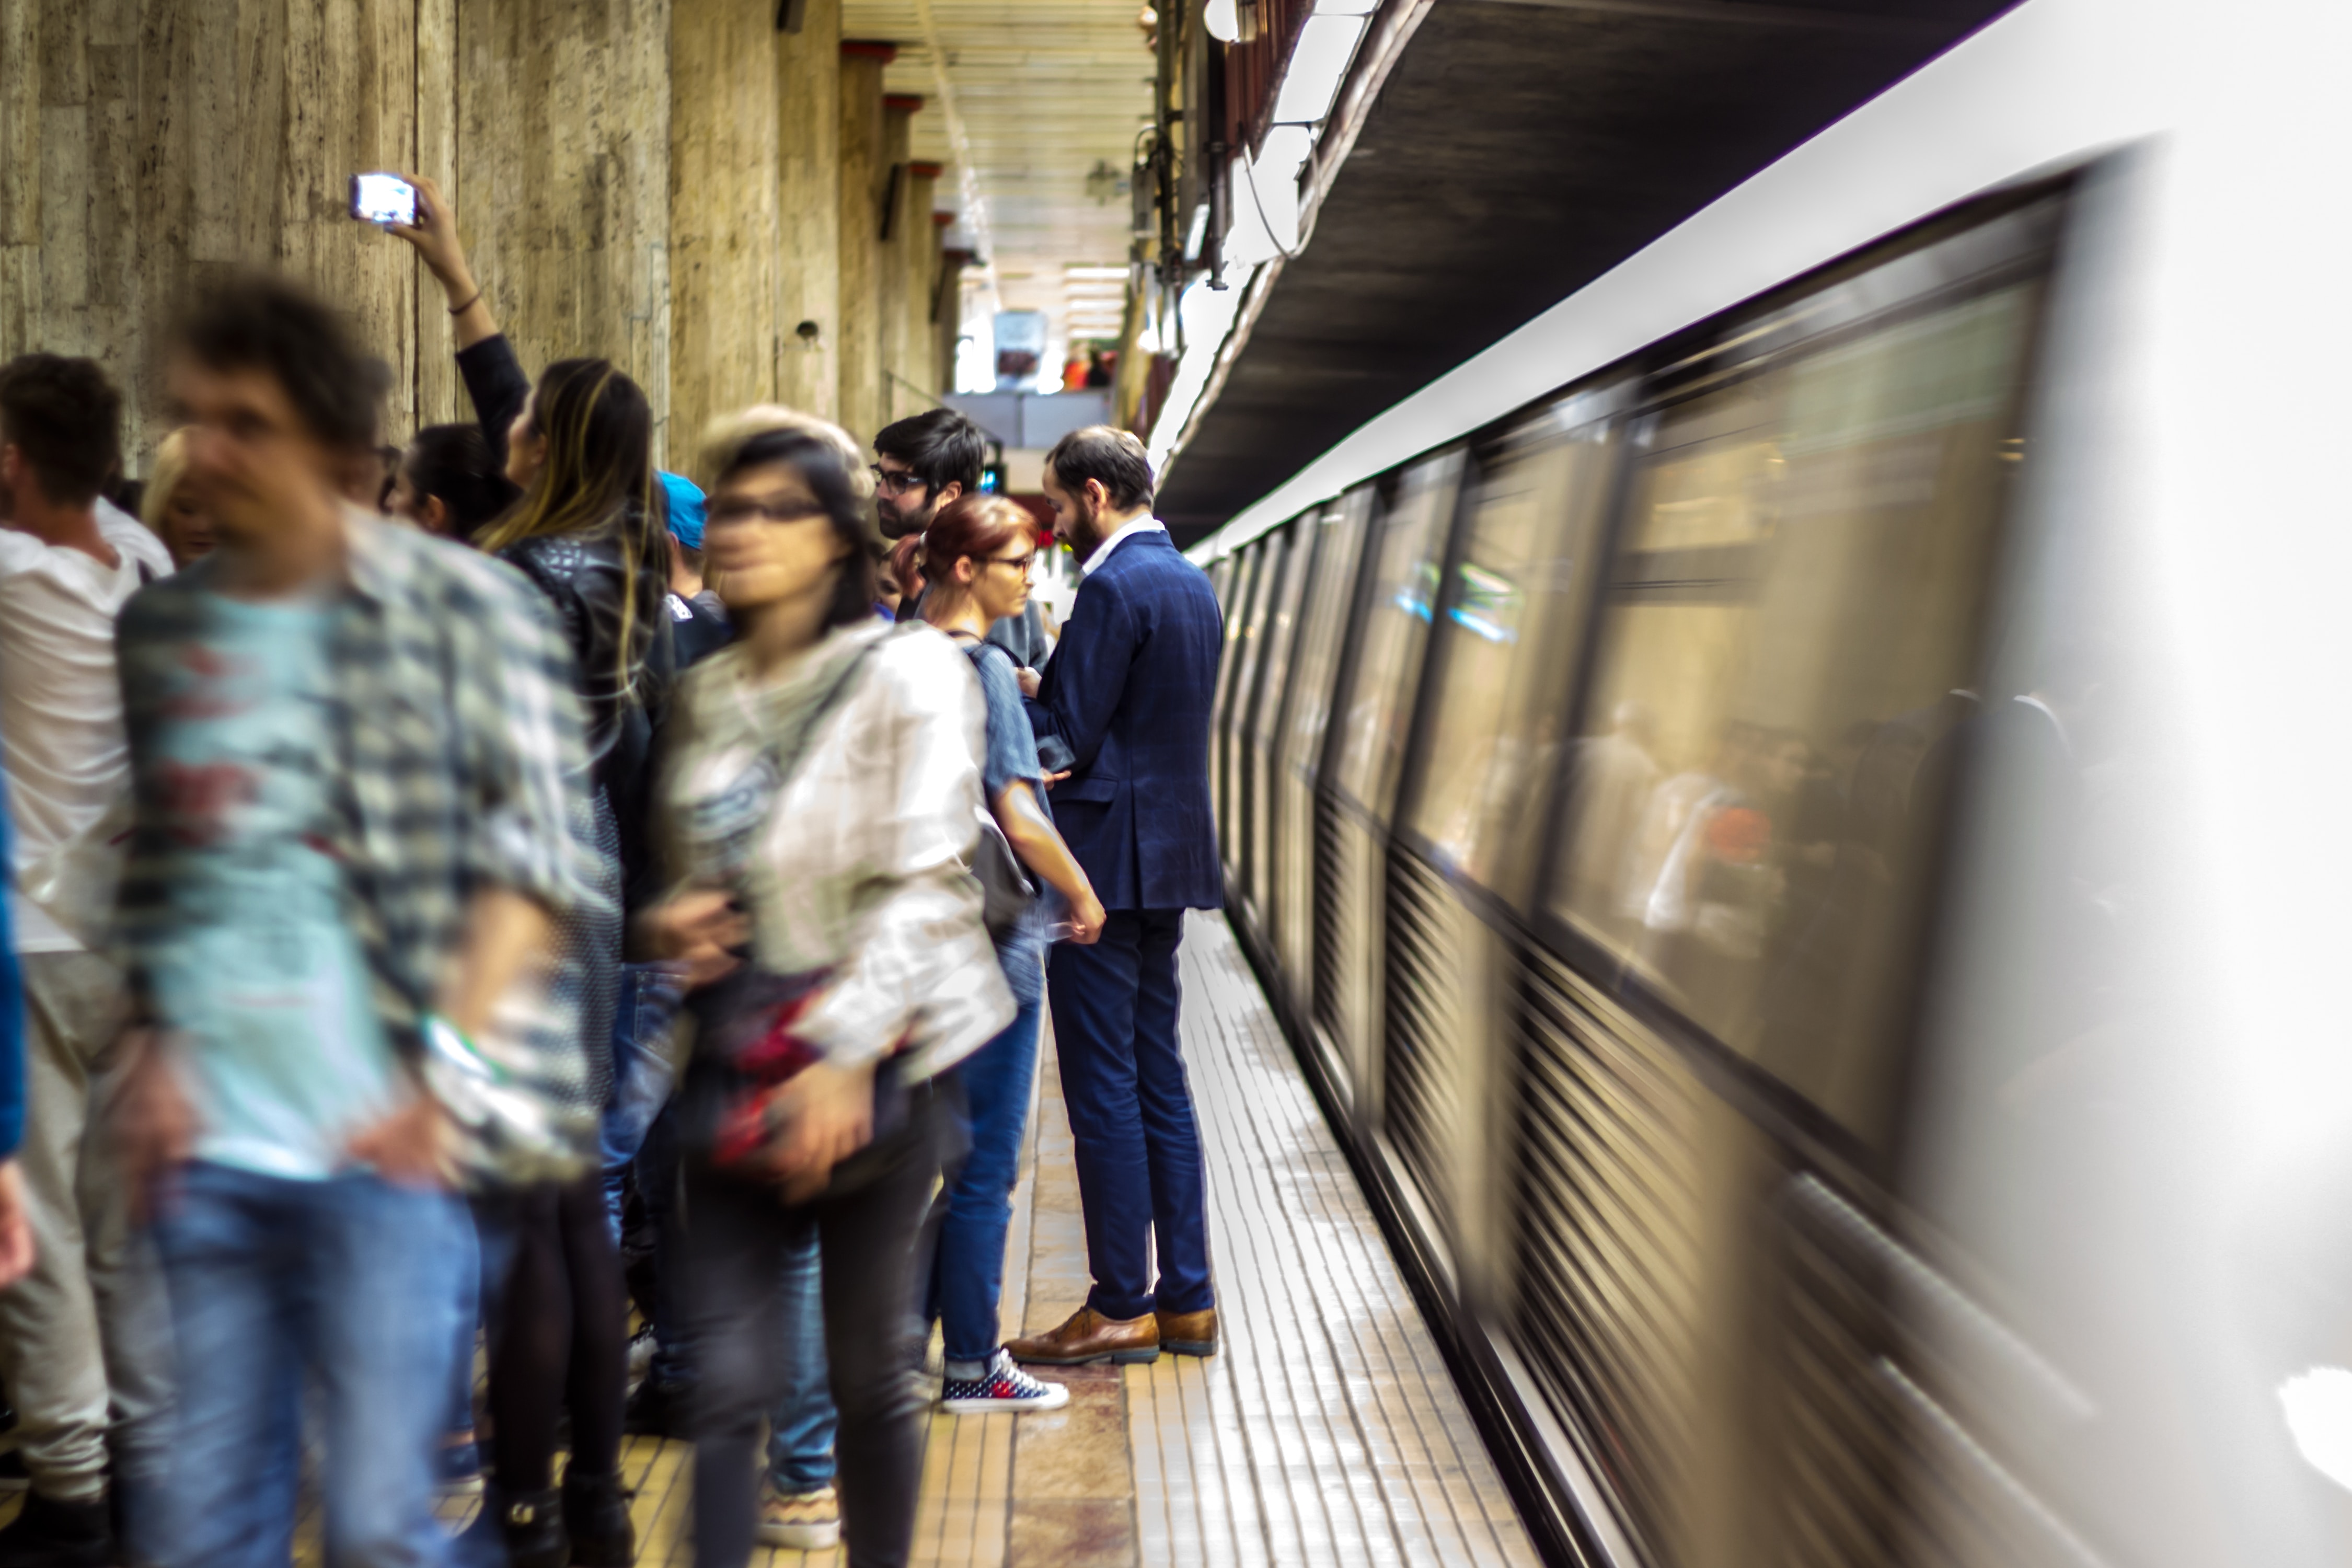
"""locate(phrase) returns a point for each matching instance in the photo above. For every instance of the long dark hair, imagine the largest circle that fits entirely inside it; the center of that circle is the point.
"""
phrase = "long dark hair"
(599, 475)
(822, 469)
(454, 464)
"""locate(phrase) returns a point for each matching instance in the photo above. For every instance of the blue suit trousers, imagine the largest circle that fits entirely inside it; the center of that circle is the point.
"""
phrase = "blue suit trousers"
(1138, 1146)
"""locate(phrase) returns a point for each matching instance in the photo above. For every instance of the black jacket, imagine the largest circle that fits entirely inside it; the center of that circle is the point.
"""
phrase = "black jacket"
(582, 576)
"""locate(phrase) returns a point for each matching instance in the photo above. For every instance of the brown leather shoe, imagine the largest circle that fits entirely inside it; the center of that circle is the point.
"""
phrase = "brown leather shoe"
(1089, 1336)
(1189, 1333)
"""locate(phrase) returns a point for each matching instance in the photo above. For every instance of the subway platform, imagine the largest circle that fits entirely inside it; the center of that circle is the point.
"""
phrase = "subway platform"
(1326, 1430)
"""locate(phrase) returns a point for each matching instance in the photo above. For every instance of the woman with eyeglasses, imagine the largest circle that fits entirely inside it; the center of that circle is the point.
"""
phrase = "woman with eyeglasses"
(820, 806)
(977, 558)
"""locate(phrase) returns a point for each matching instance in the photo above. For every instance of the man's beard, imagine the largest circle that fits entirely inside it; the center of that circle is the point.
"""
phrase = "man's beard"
(1085, 531)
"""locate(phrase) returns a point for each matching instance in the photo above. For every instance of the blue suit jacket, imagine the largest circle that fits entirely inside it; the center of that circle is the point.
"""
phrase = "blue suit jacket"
(1128, 691)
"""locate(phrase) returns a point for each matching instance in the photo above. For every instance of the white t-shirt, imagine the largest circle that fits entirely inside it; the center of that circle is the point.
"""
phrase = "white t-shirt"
(60, 709)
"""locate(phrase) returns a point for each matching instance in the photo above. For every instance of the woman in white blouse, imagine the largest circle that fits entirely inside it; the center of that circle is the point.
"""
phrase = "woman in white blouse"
(822, 803)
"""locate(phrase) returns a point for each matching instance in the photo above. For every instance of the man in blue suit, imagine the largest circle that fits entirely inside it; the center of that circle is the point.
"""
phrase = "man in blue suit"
(1128, 691)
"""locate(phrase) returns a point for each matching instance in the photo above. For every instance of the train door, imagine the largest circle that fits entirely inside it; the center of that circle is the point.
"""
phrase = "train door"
(1273, 554)
(1371, 716)
(1712, 1044)
(1327, 603)
(1474, 805)
(1258, 749)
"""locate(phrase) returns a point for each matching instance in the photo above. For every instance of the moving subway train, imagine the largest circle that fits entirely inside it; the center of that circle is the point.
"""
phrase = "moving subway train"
(1786, 806)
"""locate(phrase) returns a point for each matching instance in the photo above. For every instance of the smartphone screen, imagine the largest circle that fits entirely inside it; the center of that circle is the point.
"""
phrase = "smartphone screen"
(382, 198)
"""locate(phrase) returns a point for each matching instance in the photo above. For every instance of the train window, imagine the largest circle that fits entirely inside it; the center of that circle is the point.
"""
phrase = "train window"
(1236, 619)
(1267, 553)
(1323, 623)
(1787, 633)
(1282, 625)
(1505, 648)
(1410, 553)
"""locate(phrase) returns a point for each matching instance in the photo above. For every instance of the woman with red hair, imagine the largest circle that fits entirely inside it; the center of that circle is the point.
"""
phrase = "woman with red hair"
(976, 559)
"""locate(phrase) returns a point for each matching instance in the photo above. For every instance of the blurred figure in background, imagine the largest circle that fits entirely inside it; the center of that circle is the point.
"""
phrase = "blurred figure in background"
(810, 1105)
(306, 886)
(982, 550)
(83, 1343)
(17, 1245)
(1129, 693)
(697, 618)
(450, 482)
(169, 505)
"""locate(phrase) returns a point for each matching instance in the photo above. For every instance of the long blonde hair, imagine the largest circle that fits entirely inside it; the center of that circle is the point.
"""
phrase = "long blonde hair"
(599, 475)
(171, 468)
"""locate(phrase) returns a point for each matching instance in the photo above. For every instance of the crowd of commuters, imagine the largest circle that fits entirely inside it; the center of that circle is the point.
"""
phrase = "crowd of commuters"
(467, 892)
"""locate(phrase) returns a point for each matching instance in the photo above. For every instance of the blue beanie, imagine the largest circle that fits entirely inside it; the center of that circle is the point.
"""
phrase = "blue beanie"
(685, 510)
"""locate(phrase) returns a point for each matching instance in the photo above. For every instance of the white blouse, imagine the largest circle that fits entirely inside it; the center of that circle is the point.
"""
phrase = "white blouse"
(858, 866)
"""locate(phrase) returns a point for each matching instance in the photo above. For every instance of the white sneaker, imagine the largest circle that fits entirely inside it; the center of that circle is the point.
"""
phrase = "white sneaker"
(804, 1521)
(1001, 1386)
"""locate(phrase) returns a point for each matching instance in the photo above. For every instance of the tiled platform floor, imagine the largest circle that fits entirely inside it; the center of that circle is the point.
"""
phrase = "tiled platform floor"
(1326, 1432)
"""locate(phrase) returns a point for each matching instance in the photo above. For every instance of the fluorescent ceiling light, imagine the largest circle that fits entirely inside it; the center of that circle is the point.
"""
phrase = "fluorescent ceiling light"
(1075, 272)
(1326, 45)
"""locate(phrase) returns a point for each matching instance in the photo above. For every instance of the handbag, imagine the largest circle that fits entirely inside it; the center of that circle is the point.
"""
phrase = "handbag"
(745, 1044)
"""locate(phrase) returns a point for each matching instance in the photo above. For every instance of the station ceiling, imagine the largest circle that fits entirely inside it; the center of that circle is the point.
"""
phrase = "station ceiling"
(1023, 103)
(1517, 150)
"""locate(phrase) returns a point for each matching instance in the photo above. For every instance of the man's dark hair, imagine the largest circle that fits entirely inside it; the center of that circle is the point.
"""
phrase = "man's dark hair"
(65, 417)
(819, 465)
(939, 445)
(1113, 457)
(259, 321)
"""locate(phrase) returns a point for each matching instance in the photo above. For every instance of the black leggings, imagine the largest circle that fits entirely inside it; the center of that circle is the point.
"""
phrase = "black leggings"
(864, 1222)
(563, 1335)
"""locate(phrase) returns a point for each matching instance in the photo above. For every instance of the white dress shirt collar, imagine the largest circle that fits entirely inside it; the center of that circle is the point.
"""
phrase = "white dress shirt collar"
(1102, 552)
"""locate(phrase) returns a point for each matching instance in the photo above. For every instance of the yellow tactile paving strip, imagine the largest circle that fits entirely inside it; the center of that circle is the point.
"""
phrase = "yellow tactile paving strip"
(1326, 1432)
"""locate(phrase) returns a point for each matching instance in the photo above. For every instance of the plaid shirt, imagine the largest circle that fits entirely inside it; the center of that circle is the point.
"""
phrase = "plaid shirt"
(458, 739)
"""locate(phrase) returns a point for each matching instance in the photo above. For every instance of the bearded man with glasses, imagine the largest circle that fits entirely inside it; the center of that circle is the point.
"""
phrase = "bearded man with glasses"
(926, 462)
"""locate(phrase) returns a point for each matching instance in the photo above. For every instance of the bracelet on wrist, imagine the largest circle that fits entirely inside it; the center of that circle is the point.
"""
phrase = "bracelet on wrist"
(469, 304)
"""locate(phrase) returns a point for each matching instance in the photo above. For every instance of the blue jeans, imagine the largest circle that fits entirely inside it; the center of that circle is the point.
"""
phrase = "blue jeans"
(800, 1427)
(350, 1280)
(968, 1276)
(643, 1069)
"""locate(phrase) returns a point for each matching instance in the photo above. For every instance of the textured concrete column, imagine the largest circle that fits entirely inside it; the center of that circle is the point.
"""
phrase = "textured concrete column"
(145, 144)
(563, 186)
(899, 217)
(723, 185)
(863, 171)
(808, 211)
(919, 246)
(944, 315)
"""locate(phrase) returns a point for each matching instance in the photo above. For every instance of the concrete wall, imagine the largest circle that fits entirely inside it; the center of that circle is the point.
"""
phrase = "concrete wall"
(146, 145)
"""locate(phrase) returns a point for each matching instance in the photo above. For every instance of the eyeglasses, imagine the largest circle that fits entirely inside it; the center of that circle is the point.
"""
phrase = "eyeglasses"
(893, 482)
(1024, 564)
(744, 509)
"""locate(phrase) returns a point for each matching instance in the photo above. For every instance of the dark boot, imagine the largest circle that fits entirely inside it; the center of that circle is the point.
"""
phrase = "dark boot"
(49, 1534)
(596, 1517)
(530, 1527)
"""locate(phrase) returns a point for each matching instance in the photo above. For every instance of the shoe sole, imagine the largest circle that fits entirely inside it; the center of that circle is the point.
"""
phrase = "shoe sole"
(801, 1537)
(1188, 1347)
(989, 1406)
(1117, 1358)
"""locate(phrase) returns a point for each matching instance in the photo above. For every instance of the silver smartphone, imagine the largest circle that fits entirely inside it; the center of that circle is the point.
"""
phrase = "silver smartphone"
(383, 199)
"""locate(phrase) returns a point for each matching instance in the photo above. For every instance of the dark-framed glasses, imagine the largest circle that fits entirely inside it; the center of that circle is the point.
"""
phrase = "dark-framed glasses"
(893, 481)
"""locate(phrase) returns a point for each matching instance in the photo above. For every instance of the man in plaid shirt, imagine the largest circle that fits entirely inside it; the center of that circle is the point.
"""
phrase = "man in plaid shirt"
(351, 746)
